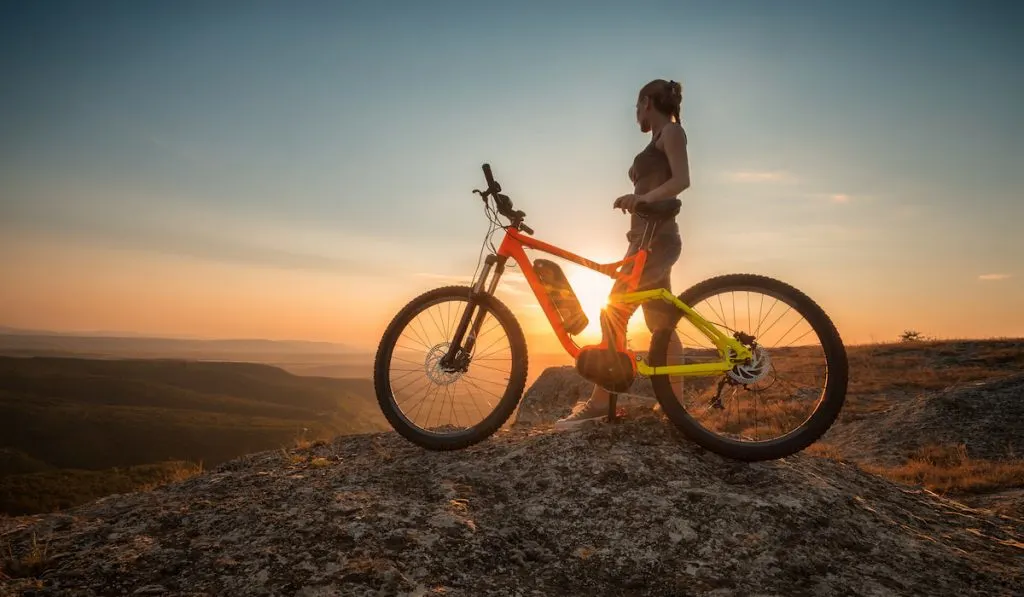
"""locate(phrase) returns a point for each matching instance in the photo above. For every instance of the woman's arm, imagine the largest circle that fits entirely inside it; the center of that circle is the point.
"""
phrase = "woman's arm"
(674, 146)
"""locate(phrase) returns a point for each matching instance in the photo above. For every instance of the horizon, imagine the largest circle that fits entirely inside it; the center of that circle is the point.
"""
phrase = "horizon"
(143, 335)
(267, 174)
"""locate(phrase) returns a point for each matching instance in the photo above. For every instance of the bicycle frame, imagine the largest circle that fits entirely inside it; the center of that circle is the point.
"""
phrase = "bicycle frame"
(513, 246)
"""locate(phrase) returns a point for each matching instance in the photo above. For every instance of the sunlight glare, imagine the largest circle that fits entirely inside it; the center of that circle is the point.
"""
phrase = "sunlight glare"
(592, 289)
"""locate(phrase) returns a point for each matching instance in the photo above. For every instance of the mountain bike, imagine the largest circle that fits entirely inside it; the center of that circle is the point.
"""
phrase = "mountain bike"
(463, 347)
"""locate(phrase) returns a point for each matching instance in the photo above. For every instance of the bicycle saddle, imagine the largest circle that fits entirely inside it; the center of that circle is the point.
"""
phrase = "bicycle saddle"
(659, 210)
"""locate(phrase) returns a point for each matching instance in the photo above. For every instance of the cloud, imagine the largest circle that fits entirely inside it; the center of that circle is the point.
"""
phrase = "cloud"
(841, 198)
(993, 277)
(771, 176)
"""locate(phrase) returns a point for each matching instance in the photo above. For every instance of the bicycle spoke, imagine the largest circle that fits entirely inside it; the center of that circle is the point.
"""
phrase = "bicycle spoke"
(475, 401)
(760, 405)
(735, 321)
(757, 332)
(748, 308)
(394, 358)
(419, 339)
(442, 399)
(487, 367)
(765, 333)
(721, 317)
(414, 340)
(438, 325)
(799, 338)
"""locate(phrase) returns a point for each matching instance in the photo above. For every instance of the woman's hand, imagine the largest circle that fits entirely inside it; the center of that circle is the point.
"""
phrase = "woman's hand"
(628, 202)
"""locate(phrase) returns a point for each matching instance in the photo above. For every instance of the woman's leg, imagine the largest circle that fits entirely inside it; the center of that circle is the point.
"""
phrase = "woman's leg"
(659, 314)
(614, 319)
(664, 253)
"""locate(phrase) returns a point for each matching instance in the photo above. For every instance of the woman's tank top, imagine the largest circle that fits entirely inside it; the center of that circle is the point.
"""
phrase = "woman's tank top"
(652, 169)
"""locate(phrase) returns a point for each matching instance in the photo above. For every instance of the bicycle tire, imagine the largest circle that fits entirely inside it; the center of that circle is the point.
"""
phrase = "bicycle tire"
(506, 405)
(812, 428)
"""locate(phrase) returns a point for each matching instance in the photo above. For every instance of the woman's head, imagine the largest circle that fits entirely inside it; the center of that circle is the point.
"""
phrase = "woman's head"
(659, 99)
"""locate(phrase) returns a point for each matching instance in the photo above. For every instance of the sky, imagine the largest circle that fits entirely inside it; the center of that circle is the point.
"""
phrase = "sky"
(302, 170)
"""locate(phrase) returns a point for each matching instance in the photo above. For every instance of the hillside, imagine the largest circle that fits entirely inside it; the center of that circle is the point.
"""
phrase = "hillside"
(985, 418)
(323, 359)
(631, 508)
(84, 414)
(948, 416)
(121, 345)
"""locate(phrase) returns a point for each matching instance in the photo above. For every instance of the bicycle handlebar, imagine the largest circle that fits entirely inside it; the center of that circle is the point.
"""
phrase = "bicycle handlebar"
(503, 203)
(491, 185)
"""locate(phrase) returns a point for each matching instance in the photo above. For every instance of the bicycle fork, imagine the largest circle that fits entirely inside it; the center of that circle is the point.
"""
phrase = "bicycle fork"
(457, 357)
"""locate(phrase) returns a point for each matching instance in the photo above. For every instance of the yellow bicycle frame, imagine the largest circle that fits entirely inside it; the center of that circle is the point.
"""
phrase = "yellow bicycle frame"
(731, 350)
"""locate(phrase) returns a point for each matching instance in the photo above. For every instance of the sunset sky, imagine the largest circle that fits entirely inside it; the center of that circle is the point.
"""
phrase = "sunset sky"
(301, 170)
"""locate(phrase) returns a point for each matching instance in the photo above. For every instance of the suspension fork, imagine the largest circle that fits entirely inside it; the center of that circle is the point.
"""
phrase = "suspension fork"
(457, 356)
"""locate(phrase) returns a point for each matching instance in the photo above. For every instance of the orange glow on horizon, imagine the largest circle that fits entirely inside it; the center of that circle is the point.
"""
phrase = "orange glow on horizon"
(60, 285)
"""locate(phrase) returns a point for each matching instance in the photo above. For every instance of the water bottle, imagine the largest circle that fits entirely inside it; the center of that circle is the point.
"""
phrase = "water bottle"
(561, 294)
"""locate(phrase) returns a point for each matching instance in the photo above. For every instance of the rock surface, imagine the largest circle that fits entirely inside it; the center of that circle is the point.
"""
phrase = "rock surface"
(557, 389)
(987, 417)
(625, 509)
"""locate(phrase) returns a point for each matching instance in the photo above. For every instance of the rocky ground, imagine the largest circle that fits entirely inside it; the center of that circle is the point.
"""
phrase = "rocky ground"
(969, 434)
(630, 508)
(557, 389)
(985, 417)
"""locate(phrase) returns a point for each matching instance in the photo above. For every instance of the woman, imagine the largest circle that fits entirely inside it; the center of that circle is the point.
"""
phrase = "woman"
(661, 171)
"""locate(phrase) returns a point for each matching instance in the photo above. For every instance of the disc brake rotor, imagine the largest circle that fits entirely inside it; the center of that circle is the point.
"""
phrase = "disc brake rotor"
(754, 371)
(435, 372)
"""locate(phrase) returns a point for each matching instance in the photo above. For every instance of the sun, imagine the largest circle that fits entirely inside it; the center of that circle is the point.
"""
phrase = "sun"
(592, 289)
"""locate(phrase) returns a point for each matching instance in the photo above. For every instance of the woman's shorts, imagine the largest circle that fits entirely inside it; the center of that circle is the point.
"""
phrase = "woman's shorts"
(662, 255)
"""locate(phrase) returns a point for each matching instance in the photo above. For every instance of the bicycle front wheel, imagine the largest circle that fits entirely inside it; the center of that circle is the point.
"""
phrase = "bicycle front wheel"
(783, 399)
(449, 408)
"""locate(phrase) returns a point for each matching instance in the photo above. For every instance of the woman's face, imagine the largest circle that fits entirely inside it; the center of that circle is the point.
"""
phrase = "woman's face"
(643, 109)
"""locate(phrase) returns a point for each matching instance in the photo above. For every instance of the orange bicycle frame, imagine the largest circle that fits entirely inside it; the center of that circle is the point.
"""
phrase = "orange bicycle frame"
(513, 246)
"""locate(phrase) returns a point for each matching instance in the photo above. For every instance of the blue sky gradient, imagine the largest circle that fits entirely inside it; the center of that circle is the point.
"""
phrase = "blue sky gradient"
(869, 153)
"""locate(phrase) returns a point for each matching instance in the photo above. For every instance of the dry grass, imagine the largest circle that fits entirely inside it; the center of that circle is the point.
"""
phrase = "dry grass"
(823, 450)
(30, 564)
(881, 376)
(949, 469)
(180, 472)
(883, 373)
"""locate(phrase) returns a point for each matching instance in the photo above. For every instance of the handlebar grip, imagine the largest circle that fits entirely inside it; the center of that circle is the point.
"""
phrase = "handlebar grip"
(488, 176)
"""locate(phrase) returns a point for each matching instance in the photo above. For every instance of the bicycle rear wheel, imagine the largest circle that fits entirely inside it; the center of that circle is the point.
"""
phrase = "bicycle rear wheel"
(449, 408)
(780, 402)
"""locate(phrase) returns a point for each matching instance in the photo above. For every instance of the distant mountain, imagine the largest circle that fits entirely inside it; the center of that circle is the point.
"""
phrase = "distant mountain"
(15, 341)
(61, 414)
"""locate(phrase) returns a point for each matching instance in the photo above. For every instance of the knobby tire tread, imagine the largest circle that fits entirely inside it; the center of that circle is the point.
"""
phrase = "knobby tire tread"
(813, 428)
(508, 402)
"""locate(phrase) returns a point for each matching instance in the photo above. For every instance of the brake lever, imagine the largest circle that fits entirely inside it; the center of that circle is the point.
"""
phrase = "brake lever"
(526, 229)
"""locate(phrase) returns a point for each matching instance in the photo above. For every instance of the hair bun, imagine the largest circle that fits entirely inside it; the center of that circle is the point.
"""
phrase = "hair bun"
(675, 89)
